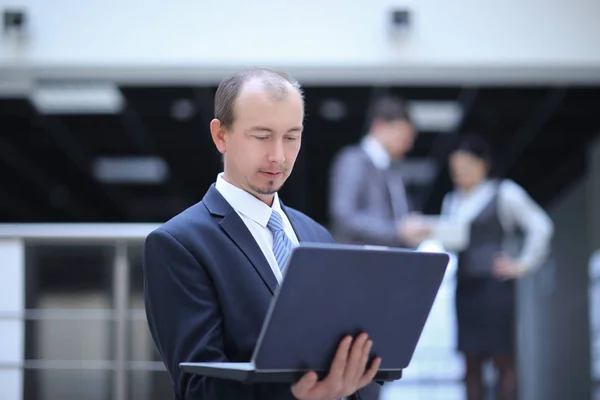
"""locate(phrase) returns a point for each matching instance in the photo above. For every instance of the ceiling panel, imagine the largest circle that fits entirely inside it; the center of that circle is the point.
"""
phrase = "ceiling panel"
(172, 123)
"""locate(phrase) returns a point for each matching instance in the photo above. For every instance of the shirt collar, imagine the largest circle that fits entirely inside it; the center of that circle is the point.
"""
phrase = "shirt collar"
(245, 203)
(376, 152)
(485, 184)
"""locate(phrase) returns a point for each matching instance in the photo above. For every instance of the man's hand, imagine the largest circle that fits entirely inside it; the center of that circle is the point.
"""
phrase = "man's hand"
(413, 229)
(347, 374)
(506, 268)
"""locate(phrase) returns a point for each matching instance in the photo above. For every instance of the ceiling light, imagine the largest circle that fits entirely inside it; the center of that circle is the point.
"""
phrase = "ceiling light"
(182, 110)
(435, 116)
(71, 98)
(131, 170)
(333, 110)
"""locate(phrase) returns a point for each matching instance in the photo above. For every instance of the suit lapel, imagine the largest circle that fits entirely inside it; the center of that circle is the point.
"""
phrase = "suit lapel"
(235, 228)
(302, 233)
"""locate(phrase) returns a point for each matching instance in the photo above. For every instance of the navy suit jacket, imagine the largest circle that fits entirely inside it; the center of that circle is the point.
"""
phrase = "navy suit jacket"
(207, 291)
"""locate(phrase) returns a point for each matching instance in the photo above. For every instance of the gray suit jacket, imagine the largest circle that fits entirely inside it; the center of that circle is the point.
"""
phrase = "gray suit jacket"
(360, 206)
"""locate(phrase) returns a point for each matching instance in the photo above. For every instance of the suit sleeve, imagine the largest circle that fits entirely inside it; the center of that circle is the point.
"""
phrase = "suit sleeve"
(184, 318)
(345, 189)
(324, 235)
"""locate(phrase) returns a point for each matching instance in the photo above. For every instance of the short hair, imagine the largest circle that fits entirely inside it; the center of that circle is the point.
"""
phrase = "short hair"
(476, 146)
(230, 87)
(389, 108)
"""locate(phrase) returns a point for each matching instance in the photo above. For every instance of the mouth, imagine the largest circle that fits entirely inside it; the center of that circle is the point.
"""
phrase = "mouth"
(271, 174)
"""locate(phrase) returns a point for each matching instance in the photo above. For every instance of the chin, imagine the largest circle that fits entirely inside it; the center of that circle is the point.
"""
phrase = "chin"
(266, 190)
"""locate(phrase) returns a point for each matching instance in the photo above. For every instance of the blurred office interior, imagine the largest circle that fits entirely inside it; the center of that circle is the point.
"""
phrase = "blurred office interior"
(104, 113)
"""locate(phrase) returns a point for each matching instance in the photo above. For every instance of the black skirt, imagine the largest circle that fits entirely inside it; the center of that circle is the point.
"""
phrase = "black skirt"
(485, 311)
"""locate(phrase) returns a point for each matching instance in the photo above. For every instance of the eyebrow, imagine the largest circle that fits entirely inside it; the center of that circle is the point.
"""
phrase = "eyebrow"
(260, 128)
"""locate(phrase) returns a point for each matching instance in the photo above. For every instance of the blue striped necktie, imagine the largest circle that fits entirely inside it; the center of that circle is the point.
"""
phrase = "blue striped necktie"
(282, 245)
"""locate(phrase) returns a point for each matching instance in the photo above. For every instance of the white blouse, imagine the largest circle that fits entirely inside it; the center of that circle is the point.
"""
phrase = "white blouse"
(515, 208)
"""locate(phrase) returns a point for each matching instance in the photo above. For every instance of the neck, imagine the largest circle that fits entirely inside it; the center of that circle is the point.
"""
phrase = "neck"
(265, 198)
(383, 146)
(470, 188)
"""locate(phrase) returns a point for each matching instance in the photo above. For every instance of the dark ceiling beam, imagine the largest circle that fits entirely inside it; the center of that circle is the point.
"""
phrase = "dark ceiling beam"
(144, 144)
(53, 193)
(204, 101)
(440, 151)
(529, 129)
(136, 130)
(205, 104)
(17, 209)
(561, 176)
(82, 159)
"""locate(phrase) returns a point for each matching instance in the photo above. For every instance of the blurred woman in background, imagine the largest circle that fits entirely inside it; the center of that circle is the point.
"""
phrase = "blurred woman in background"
(490, 211)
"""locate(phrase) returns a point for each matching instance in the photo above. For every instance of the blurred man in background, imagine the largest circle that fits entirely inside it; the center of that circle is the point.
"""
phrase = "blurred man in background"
(368, 199)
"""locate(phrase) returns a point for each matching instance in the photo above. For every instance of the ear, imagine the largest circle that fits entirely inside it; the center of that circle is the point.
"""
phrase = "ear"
(218, 135)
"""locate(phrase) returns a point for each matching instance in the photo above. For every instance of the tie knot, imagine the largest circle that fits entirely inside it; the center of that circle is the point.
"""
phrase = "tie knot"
(275, 223)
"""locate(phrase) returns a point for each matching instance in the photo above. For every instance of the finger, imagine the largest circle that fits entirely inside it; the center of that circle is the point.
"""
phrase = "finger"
(501, 267)
(353, 364)
(370, 374)
(501, 273)
(303, 387)
(363, 361)
(338, 365)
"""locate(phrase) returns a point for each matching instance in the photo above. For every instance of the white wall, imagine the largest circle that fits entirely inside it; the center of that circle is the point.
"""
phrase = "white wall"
(510, 37)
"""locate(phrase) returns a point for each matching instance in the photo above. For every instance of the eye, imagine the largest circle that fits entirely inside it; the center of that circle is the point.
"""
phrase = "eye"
(291, 138)
(261, 137)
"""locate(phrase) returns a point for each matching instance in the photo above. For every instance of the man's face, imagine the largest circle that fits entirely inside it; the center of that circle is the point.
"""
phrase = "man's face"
(261, 146)
(396, 136)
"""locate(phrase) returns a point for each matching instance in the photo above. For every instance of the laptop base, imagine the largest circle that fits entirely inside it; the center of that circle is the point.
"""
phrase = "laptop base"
(246, 373)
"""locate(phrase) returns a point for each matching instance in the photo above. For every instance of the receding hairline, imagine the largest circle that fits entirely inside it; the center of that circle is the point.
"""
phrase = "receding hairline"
(276, 88)
(277, 85)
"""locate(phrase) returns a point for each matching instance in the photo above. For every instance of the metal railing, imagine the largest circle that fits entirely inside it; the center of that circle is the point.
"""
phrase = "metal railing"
(118, 235)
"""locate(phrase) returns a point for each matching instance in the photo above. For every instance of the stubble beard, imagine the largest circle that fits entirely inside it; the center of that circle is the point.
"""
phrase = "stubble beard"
(272, 189)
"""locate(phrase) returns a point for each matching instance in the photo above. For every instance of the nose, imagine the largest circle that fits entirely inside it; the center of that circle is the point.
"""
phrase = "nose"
(276, 154)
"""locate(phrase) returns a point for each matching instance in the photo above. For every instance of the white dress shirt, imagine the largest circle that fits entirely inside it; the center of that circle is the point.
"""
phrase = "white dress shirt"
(515, 209)
(256, 215)
(376, 152)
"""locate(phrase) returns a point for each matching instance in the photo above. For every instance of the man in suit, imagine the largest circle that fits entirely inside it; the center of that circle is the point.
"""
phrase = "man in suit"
(211, 271)
(367, 195)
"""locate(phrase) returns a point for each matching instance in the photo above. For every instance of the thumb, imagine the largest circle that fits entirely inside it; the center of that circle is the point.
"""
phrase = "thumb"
(301, 388)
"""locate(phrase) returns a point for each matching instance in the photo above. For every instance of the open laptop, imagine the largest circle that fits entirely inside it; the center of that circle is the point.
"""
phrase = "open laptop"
(332, 290)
